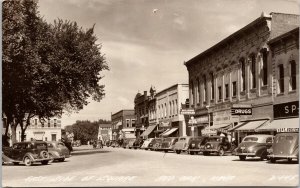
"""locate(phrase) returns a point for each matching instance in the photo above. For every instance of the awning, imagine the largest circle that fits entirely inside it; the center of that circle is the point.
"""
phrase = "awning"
(218, 126)
(119, 123)
(251, 125)
(129, 129)
(237, 126)
(279, 124)
(167, 133)
(149, 130)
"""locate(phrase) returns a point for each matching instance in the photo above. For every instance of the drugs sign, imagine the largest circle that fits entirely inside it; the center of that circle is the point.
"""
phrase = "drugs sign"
(241, 111)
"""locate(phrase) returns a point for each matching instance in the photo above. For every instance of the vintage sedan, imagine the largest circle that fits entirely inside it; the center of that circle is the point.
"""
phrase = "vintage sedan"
(254, 146)
(138, 143)
(216, 144)
(183, 144)
(146, 143)
(196, 144)
(58, 151)
(285, 146)
(125, 143)
(156, 144)
(28, 153)
(168, 144)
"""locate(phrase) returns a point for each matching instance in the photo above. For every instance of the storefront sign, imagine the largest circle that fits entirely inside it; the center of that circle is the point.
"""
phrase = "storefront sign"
(187, 111)
(207, 131)
(286, 109)
(287, 130)
(241, 111)
(202, 119)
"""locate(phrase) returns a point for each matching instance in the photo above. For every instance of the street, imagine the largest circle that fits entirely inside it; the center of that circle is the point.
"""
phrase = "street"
(125, 167)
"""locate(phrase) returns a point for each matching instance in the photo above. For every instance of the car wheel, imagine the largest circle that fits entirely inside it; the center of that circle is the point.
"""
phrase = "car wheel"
(166, 151)
(205, 153)
(44, 162)
(273, 160)
(192, 153)
(178, 151)
(62, 160)
(242, 157)
(262, 157)
(221, 152)
(27, 161)
(289, 160)
(146, 148)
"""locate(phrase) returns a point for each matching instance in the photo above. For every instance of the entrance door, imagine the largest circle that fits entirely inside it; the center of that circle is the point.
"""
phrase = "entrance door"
(53, 137)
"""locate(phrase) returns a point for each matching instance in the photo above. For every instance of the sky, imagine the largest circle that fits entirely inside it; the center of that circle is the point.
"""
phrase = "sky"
(146, 42)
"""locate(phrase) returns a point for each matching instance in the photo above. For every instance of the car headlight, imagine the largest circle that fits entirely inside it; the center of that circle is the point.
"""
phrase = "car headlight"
(208, 146)
(193, 145)
(251, 149)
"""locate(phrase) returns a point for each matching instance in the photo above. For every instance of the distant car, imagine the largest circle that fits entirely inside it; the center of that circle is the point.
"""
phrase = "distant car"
(196, 144)
(254, 146)
(130, 143)
(146, 143)
(28, 153)
(114, 144)
(216, 144)
(125, 143)
(285, 146)
(183, 144)
(168, 144)
(58, 151)
(155, 144)
(138, 143)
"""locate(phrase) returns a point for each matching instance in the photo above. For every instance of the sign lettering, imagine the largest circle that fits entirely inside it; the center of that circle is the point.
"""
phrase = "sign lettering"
(287, 130)
(187, 111)
(241, 111)
(286, 109)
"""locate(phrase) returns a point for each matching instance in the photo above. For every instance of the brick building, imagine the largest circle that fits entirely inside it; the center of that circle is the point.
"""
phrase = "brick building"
(123, 124)
(141, 107)
(237, 73)
(105, 132)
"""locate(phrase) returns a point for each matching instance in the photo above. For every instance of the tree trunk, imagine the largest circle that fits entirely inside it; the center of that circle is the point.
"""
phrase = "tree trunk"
(14, 132)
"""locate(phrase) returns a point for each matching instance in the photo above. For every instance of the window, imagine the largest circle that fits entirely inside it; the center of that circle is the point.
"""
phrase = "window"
(42, 122)
(220, 92)
(48, 122)
(280, 79)
(133, 122)
(170, 108)
(127, 123)
(55, 123)
(35, 122)
(176, 106)
(243, 74)
(165, 109)
(192, 93)
(233, 89)
(198, 90)
(265, 67)
(253, 73)
(212, 89)
(204, 88)
(293, 80)
(226, 91)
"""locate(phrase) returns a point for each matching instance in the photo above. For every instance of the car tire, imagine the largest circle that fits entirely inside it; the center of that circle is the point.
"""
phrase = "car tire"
(44, 162)
(221, 152)
(192, 153)
(61, 160)
(289, 160)
(27, 161)
(166, 151)
(262, 157)
(178, 151)
(205, 153)
(242, 157)
(272, 160)
(146, 148)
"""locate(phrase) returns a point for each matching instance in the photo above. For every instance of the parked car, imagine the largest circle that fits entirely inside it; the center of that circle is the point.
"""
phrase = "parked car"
(114, 144)
(254, 146)
(168, 144)
(155, 144)
(196, 144)
(183, 144)
(125, 143)
(146, 143)
(138, 143)
(285, 146)
(130, 143)
(58, 151)
(28, 152)
(216, 144)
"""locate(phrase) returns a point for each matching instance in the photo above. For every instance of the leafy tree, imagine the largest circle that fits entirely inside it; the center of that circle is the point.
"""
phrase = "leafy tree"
(47, 68)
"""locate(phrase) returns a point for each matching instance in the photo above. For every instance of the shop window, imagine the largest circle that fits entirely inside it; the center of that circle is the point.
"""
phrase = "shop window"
(265, 67)
(293, 80)
(233, 89)
(212, 89)
(280, 79)
(243, 74)
(220, 93)
(226, 91)
(253, 73)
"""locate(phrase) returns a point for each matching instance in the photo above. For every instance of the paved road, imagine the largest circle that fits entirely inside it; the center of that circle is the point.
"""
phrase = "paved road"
(124, 167)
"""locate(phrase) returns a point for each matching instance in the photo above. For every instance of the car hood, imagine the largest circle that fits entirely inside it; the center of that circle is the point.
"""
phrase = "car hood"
(248, 144)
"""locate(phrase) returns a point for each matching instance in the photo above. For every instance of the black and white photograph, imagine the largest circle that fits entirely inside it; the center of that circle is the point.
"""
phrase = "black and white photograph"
(123, 93)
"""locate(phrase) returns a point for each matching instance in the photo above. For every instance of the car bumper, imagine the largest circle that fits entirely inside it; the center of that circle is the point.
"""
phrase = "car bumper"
(283, 156)
(40, 160)
(210, 150)
(196, 150)
(245, 154)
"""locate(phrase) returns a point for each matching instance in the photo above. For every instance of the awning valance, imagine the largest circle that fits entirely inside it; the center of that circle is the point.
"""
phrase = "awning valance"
(149, 130)
(279, 124)
(251, 125)
(167, 133)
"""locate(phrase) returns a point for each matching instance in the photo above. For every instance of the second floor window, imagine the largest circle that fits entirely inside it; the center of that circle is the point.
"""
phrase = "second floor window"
(280, 79)
(265, 67)
(55, 124)
(226, 91)
(253, 73)
(212, 90)
(35, 122)
(127, 123)
(233, 89)
(293, 79)
(220, 93)
(133, 122)
(243, 74)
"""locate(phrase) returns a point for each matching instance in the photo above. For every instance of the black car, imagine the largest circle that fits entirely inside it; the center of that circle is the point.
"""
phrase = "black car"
(28, 153)
(138, 143)
(216, 144)
(196, 144)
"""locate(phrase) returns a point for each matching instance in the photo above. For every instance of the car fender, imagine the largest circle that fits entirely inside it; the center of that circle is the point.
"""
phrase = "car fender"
(260, 150)
(54, 153)
(30, 155)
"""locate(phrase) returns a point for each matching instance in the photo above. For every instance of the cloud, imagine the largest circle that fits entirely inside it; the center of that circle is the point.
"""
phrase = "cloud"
(124, 101)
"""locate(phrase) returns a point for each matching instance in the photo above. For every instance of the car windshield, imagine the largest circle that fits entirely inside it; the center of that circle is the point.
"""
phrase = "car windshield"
(214, 139)
(41, 146)
(250, 139)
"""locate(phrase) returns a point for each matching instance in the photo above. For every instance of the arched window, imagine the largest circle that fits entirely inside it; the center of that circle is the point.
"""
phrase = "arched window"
(253, 72)
(243, 74)
(212, 88)
(204, 88)
(293, 81)
(264, 54)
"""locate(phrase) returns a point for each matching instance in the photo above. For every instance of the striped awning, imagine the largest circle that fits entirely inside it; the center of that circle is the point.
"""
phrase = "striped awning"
(149, 130)
(170, 131)
(280, 124)
(251, 125)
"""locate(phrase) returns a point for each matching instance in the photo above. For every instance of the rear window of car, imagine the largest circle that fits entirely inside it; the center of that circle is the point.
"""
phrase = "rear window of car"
(182, 138)
(211, 139)
(250, 139)
(41, 146)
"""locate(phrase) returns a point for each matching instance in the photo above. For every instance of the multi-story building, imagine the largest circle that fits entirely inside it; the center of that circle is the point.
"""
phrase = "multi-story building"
(123, 124)
(141, 103)
(46, 130)
(105, 132)
(237, 74)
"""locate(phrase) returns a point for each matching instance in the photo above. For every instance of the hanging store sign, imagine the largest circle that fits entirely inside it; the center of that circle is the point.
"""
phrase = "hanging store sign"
(241, 111)
(286, 109)
(187, 111)
(281, 130)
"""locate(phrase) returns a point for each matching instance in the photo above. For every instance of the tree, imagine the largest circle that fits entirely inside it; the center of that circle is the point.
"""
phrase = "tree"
(47, 68)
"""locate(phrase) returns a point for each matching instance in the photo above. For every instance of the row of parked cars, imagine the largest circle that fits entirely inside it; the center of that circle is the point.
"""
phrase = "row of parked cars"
(281, 146)
(35, 152)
